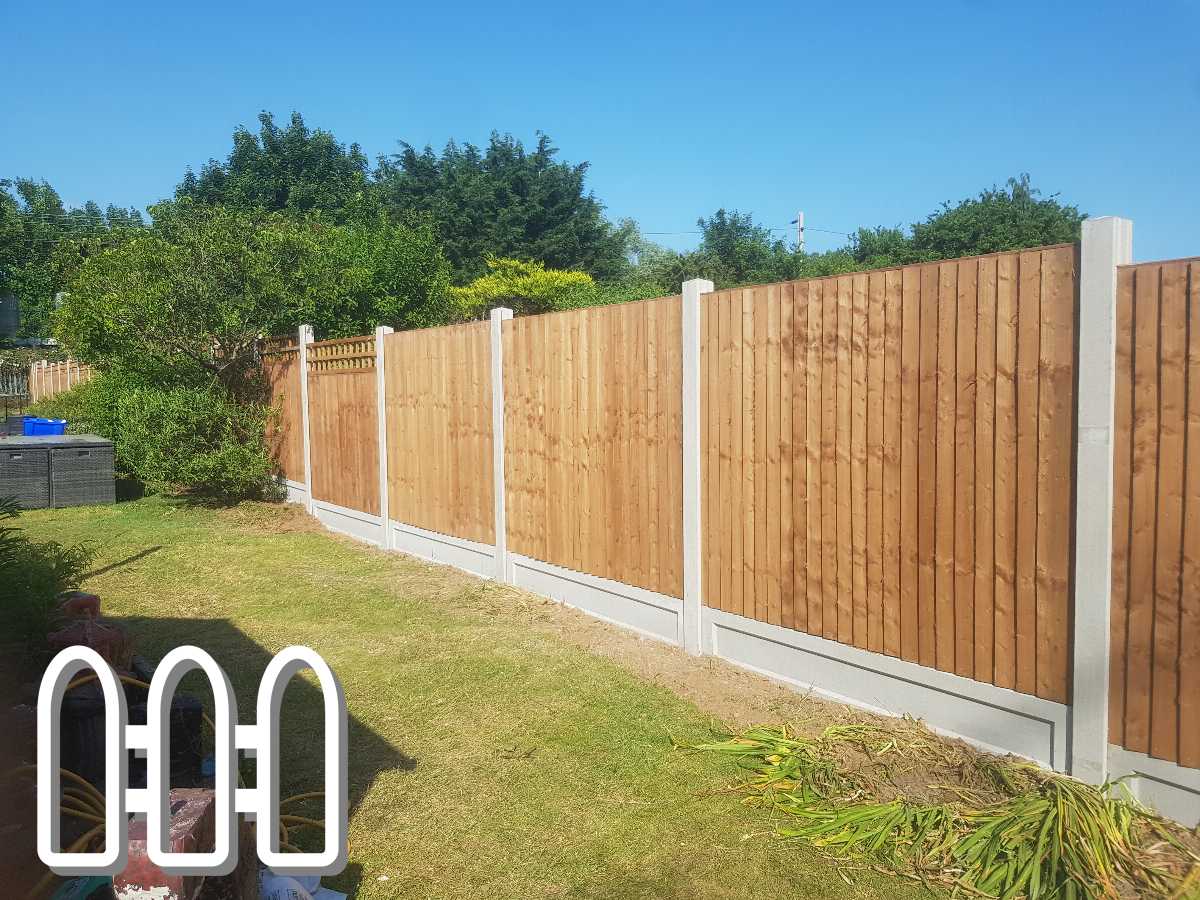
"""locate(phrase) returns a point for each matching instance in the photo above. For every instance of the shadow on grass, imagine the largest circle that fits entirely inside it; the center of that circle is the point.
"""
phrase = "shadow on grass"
(120, 564)
(301, 729)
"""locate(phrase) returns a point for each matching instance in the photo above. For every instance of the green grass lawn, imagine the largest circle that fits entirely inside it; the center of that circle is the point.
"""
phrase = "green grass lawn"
(489, 757)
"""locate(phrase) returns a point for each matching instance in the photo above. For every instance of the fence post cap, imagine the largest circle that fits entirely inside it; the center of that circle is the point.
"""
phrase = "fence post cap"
(501, 312)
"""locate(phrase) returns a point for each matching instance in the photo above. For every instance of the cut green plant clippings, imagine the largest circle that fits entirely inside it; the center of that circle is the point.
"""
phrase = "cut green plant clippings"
(1030, 833)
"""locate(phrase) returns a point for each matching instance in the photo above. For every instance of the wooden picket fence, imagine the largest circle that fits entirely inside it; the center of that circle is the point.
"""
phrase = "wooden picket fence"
(887, 462)
(49, 379)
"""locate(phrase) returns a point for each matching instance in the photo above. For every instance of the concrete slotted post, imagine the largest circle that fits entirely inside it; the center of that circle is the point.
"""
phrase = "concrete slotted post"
(381, 417)
(1107, 242)
(690, 624)
(305, 336)
(504, 573)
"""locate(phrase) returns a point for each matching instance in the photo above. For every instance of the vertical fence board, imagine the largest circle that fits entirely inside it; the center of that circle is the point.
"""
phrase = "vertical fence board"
(1189, 658)
(964, 470)
(813, 444)
(874, 452)
(1122, 491)
(829, 461)
(892, 419)
(944, 612)
(927, 473)
(910, 394)
(984, 502)
(1056, 410)
(1140, 624)
(1172, 412)
(858, 458)
(791, 401)
(1028, 353)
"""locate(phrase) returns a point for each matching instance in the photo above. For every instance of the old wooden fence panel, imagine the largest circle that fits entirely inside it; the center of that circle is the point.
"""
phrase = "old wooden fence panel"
(281, 370)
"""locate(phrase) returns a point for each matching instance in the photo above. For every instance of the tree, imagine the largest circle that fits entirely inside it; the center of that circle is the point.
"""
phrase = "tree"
(504, 202)
(999, 219)
(526, 287)
(292, 169)
(185, 301)
(38, 238)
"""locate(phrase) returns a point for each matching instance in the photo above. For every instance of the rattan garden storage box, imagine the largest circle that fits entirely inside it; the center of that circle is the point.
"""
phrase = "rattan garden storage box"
(81, 472)
(25, 474)
(57, 470)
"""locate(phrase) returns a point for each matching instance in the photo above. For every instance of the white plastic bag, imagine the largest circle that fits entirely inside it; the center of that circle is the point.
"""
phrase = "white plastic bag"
(294, 887)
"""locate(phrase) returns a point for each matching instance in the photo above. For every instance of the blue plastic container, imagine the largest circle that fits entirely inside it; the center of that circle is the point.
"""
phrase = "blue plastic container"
(36, 426)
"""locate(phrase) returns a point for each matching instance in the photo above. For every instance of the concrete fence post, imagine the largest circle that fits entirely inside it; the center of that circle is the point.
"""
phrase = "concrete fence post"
(305, 336)
(1107, 242)
(381, 416)
(693, 600)
(504, 573)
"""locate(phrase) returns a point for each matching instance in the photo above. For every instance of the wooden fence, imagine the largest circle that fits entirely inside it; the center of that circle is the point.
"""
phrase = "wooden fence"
(887, 482)
(1155, 682)
(343, 420)
(888, 461)
(593, 441)
(47, 379)
(281, 369)
(439, 430)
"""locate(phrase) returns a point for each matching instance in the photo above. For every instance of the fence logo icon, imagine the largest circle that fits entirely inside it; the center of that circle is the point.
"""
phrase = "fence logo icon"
(260, 803)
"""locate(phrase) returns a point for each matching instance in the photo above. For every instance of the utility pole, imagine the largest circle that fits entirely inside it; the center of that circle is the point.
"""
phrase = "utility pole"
(799, 223)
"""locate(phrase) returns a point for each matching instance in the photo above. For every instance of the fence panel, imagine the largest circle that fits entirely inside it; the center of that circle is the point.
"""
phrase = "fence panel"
(285, 438)
(344, 443)
(1155, 680)
(439, 430)
(593, 441)
(887, 461)
(48, 380)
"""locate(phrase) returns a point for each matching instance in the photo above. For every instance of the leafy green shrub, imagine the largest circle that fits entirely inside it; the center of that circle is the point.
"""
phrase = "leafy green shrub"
(32, 575)
(527, 287)
(174, 439)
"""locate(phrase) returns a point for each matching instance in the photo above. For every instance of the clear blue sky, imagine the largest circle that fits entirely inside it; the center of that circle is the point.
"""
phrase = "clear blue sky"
(859, 113)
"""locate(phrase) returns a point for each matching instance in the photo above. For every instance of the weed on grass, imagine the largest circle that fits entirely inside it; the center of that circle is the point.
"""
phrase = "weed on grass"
(1007, 829)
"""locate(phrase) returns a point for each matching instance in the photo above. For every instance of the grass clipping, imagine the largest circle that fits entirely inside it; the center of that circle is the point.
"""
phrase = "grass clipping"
(1008, 829)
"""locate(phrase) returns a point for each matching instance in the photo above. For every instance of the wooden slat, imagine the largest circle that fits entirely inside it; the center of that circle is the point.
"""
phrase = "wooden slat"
(790, 496)
(964, 471)
(1122, 491)
(910, 484)
(858, 458)
(772, 414)
(731, 330)
(797, 360)
(815, 454)
(944, 606)
(830, 536)
(1028, 353)
(1189, 633)
(1006, 498)
(746, 574)
(875, 313)
(1140, 623)
(927, 443)
(761, 492)
(1172, 423)
(892, 481)
(1056, 406)
(985, 507)
(842, 450)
